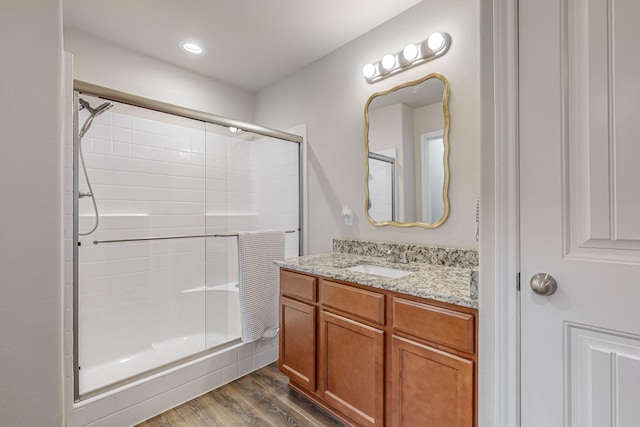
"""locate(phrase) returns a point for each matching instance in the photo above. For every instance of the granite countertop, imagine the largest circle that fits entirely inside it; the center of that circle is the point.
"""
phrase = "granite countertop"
(452, 285)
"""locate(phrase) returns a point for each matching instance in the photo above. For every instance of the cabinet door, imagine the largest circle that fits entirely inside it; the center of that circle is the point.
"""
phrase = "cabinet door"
(298, 342)
(352, 368)
(430, 387)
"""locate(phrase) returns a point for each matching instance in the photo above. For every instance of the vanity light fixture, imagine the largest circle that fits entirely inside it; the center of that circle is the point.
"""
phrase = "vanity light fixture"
(192, 47)
(369, 70)
(434, 46)
(388, 62)
(435, 42)
(410, 52)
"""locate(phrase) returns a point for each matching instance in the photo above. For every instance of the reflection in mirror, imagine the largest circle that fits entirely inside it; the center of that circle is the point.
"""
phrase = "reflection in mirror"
(382, 172)
(407, 154)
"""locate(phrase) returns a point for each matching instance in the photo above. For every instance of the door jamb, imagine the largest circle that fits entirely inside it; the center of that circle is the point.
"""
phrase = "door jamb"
(499, 371)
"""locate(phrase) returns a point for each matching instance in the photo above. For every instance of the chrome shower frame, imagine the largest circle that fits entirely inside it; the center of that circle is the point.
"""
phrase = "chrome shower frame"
(107, 94)
(76, 242)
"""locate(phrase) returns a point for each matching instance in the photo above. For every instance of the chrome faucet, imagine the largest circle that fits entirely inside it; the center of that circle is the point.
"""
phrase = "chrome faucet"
(398, 258)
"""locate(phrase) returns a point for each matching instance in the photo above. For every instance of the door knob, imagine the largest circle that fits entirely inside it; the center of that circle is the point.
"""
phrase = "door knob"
(543, 284)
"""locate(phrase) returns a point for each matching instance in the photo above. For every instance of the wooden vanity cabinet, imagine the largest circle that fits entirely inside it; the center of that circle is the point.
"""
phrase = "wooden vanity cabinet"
(432, 365)
(351, 363)
(430, 387)
(298, 317)
(375, 357)
(351, 368)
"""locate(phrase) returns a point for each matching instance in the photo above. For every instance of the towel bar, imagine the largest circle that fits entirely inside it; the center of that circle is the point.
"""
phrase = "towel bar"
(141, 239)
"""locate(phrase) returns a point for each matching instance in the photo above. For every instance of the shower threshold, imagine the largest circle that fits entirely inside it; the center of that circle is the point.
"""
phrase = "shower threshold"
(159, 357)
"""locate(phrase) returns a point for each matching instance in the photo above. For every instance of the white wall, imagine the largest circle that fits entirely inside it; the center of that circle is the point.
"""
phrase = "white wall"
(329, 96)
(381, 196)
(106, 64)
(31, 221)
(428, 119)
(391, 128)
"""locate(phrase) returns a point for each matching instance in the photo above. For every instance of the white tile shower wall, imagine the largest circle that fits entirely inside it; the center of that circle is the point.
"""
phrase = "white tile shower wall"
(219, 318)
(231, 208)
(251, 185)
(275, 163)
(262, 194)
(217, 187)
(115, 291)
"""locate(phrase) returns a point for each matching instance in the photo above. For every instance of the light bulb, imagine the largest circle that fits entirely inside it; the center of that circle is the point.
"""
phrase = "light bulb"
(435, 42)
(369, 70)
(191, 47)
(388, 62)
(410, 52)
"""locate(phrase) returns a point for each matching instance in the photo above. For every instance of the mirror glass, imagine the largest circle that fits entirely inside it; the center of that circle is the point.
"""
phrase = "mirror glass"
(407, 148)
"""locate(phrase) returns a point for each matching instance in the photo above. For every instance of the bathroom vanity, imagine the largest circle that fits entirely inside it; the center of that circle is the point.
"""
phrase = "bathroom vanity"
(374, 349)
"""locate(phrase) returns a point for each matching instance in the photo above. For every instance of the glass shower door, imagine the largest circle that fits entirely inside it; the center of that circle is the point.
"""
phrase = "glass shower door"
(157, 281)
(252, 184)
(139, 301)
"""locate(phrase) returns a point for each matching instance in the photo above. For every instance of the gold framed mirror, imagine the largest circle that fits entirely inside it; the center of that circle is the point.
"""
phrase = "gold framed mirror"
(407, 154)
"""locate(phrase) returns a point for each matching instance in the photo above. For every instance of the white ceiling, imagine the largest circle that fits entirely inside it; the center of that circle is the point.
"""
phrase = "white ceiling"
(426, 93)
(248, 43)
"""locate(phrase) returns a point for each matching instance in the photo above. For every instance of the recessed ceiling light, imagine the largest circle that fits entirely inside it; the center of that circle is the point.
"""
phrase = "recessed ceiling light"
(191, 47)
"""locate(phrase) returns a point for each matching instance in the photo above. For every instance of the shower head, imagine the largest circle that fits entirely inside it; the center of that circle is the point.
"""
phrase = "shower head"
(102, 108)
(94, 112)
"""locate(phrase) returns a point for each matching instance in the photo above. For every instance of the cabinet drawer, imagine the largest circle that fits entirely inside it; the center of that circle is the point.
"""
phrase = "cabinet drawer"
(298, 285)
(358, 302)
(436, 324)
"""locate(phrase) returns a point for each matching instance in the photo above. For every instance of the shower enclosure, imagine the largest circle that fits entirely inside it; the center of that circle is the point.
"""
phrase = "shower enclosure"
(155, 284)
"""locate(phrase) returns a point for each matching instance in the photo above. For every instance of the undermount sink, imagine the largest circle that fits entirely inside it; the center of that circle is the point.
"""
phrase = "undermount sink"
(379, 271)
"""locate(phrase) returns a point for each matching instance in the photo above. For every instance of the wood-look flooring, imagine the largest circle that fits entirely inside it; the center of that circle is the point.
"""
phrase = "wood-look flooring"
(262, 398)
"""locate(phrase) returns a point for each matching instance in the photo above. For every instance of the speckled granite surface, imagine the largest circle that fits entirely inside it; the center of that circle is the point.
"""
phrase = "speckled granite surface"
(453, 285)
(464, 258)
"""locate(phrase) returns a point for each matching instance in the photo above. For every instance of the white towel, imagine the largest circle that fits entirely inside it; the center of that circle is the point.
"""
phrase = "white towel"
(259, 283)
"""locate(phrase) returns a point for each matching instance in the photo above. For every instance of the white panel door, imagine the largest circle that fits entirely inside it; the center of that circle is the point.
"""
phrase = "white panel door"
(579, 125)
